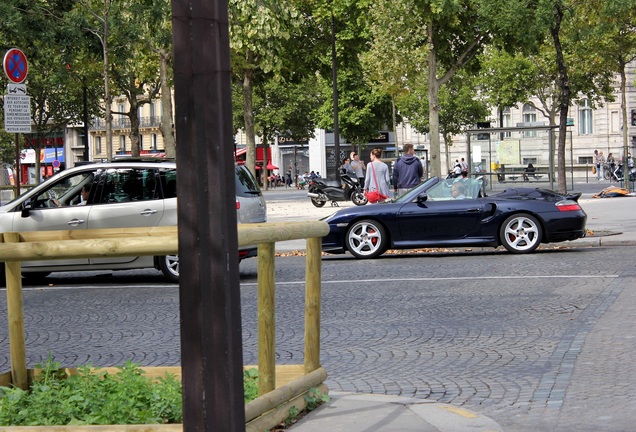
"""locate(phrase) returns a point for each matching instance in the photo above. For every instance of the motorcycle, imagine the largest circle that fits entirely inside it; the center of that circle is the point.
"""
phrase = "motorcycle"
(618, 173)
(321, 190)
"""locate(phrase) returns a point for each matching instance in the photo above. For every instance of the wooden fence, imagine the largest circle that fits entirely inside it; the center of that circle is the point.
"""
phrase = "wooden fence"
(273, 403)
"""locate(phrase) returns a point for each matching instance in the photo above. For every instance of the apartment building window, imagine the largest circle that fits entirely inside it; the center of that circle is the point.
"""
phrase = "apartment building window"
(154, 142)
(529, 116)
(122, 144)
(98, 145)
(122, 118)
(616, 122)
(506, 117)
(141, 142)
(585, 117)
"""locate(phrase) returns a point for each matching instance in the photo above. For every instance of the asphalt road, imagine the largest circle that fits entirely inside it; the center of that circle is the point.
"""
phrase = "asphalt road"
(535, 342)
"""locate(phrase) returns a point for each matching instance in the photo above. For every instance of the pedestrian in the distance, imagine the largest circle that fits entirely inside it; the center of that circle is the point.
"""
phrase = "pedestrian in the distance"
(358, 167)
(407, 170)
(377, 178)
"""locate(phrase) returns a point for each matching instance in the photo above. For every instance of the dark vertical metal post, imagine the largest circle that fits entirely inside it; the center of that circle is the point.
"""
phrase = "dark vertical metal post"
(85, 140)
(16, 177)
(334, 72)
(211, 343)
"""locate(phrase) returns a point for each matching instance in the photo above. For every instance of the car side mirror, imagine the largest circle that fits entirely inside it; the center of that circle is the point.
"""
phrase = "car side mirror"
(26, 211)
(422, 198)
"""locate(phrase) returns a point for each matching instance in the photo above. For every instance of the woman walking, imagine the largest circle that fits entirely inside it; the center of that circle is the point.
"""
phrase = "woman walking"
(377, 178)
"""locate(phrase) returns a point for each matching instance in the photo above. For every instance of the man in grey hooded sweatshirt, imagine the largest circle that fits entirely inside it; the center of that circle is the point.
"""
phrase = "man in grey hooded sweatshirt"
(407, 170)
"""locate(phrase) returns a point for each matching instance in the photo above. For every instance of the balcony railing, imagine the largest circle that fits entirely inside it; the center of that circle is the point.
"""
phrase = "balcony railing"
(124, 123)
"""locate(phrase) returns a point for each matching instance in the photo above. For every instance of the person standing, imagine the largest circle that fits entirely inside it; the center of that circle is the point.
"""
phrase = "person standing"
(346, 165)
(601, 164)
(407, 171)
(464, 166)
(377, 178)
(358, 167)
(597, 164)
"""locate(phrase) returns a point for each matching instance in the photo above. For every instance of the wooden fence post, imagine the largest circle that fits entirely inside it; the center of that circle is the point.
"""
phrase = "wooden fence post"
(312, 304)
(16, 318)
(266, 319)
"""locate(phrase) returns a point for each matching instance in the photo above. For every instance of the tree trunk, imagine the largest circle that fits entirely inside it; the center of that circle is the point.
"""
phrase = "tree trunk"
(433, 105)
(626, 120)
(564, 100)
(107, 97)
(167, 122)
(134, 126)
(248, 116)
(393, 118)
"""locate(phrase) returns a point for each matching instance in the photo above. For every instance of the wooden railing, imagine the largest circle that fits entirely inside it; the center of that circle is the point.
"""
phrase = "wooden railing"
(49, 245)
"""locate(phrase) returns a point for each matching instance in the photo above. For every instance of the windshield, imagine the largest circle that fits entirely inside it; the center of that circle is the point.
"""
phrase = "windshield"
(411, 194)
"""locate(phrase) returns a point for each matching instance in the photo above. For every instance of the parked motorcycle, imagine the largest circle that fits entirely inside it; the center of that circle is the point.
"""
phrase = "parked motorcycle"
(617, 175)
(321, 190)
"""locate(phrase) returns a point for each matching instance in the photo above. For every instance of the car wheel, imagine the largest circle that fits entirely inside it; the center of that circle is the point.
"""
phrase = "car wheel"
(169, 266)
(358, 198)
(366, 239)
(520, 233)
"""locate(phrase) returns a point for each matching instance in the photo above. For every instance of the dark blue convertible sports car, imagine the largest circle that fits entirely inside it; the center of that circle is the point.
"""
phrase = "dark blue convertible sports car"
(455, 213)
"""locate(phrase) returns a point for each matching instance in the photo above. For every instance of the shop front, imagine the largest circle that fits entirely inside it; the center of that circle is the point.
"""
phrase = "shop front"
(51, 162)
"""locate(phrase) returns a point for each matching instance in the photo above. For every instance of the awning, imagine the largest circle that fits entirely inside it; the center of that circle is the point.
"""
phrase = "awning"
(270, 166)
(240, 151)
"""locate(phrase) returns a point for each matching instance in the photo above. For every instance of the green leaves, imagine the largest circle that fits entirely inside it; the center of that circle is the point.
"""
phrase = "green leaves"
(98, 398)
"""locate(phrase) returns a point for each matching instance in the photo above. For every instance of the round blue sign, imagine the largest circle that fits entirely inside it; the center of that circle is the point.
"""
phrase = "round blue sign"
(15, 65)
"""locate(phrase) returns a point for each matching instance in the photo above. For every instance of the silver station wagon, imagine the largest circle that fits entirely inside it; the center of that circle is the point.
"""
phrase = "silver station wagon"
(120, 194)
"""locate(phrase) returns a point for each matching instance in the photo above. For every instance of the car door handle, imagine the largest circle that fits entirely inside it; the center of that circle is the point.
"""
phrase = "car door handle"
(473, 210)
(75, 222)
(148, 212)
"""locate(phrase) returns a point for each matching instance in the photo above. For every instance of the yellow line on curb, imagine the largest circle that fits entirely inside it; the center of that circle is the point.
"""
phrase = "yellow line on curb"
(459, 411)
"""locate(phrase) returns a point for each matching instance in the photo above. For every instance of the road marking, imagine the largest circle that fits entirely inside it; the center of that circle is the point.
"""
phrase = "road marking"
(459, 411)
(330, 282)
(446, 278)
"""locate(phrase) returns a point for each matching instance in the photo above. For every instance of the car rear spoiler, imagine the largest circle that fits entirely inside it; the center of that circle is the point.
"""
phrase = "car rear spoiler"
(574, 196)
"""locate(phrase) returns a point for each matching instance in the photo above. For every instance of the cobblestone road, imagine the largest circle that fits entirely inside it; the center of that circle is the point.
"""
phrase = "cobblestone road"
(537, 342)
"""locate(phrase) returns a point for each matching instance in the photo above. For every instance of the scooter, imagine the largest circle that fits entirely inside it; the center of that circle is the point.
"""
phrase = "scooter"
(618, 173)
(321, 190)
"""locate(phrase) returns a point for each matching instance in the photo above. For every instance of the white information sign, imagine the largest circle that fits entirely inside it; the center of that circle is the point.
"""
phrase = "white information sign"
(17, 113)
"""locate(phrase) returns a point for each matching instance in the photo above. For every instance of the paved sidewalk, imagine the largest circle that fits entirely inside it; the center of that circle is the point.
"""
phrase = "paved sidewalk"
(350, 412)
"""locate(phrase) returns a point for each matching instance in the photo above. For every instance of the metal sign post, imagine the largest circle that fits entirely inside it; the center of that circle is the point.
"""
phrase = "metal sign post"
(17, 104)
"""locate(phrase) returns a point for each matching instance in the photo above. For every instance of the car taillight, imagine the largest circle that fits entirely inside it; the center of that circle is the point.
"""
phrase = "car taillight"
(568, 205)
(238, 204)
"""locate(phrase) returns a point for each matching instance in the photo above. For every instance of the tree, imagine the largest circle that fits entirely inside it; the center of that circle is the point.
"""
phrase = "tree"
(97, 17)
(258, 29)
(451, 34)
(399, 63)
(362, 109)
(459, 108)
(611, 25)
(551, 34)
(156, 20)
(56, 81)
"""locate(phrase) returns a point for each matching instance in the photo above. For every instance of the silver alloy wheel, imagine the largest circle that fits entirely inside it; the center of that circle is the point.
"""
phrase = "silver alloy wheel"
(520, 233)
(169, 266)
(366, 239)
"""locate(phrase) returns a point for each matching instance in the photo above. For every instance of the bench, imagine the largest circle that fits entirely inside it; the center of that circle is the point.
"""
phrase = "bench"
(518, 176)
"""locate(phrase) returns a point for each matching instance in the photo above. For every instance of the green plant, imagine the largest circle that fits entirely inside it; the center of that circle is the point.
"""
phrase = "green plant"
(95, 397)
(315, 398)
(293, 415)
(250, 384)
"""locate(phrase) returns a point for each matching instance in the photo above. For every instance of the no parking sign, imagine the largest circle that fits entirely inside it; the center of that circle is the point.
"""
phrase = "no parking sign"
(15, 65)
